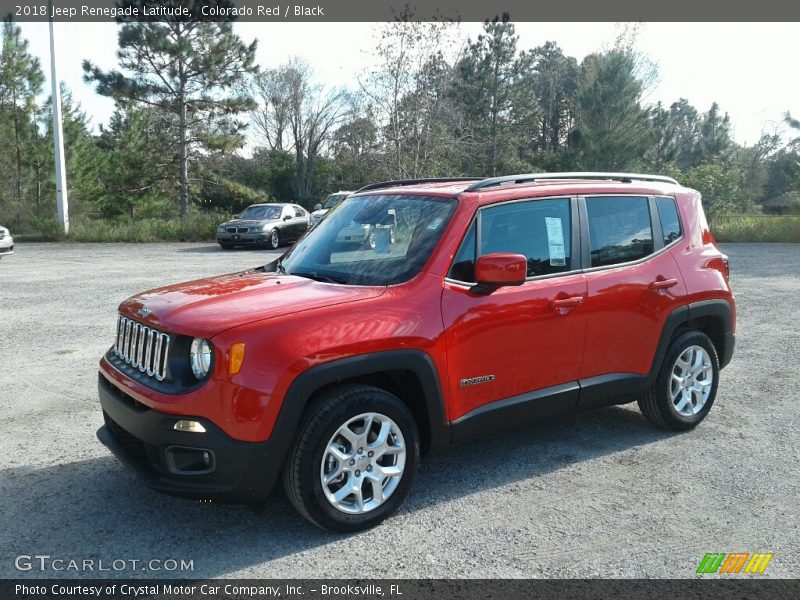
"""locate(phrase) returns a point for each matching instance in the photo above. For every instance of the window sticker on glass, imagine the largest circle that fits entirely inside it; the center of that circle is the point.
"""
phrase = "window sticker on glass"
(555, 240)
(434, 224)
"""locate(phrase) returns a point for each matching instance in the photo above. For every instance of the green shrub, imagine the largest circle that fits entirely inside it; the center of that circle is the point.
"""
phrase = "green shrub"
(756, 228)
(196, 227)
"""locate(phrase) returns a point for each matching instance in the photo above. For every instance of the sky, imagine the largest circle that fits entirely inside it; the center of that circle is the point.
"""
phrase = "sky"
(749, 69)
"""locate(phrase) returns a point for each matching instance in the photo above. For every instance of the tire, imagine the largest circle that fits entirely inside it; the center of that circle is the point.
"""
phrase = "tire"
(310, 459)
(679, 403)
(274, 241)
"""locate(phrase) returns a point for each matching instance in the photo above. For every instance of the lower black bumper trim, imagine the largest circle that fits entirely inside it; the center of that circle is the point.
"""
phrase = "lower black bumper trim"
(139, 437)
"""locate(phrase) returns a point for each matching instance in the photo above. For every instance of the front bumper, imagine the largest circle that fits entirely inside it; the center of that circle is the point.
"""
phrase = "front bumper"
(242, 238)
(6, 246)
(144, 439)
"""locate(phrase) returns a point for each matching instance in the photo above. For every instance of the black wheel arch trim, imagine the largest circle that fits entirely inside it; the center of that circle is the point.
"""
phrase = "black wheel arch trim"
(717, 309)
(312, 380)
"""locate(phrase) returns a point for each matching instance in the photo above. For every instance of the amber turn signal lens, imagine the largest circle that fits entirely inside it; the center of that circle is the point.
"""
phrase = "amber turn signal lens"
(236, 358)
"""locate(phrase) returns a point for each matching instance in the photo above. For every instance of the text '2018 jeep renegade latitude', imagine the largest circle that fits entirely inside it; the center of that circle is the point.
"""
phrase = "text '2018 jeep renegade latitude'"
(498, 302)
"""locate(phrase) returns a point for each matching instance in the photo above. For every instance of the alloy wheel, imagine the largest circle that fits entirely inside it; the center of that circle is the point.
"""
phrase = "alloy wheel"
(363, 463)
(691, 381)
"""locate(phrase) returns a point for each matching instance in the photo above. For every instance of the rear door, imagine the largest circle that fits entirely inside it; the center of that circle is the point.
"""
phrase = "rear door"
(517, 340)
(633, 284)
(300, 220)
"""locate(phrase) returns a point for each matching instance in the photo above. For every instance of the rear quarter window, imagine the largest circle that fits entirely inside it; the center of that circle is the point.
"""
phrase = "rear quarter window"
(670, 221)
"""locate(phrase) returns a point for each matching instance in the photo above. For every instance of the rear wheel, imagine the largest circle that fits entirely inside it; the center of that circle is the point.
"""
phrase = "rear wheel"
(686, 386)
(354, 460)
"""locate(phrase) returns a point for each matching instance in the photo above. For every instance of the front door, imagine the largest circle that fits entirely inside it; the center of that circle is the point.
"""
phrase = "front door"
(524, 339)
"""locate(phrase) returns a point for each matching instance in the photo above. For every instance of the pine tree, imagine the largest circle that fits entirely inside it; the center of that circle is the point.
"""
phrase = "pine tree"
(487, 76)
(190, 68)
(21, 80)
(612, 132)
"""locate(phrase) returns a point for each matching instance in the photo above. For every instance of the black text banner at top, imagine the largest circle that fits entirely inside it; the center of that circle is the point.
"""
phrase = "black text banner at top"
(394, 10)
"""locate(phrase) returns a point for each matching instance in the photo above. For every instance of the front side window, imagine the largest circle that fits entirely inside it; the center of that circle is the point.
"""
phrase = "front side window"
(670, 223)
(619, 229)
(463, 268)
(537, 229)
(382, 239)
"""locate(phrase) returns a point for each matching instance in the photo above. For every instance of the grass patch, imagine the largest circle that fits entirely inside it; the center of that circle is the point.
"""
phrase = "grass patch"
(202, 227)
(756, 228)
(195, 227)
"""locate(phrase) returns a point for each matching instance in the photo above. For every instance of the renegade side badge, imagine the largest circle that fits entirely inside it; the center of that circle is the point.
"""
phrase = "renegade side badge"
(476, 380)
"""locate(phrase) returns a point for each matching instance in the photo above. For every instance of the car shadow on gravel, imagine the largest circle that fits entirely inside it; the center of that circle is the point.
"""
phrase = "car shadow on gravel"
(215, 249)
(528, 452)
(95, 509)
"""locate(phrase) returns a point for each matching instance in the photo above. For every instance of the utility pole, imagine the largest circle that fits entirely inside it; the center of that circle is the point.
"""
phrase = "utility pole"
(62, 204)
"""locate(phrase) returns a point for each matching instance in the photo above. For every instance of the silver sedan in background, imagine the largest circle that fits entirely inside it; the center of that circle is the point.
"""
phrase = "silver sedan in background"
(6, 242)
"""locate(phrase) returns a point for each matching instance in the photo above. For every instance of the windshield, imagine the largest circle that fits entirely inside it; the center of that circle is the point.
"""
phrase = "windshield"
(261, 212)
(333, 200)
(371, 240)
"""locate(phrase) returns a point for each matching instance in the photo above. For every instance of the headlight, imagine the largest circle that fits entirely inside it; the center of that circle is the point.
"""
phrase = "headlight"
(221, 229)
(200, 357)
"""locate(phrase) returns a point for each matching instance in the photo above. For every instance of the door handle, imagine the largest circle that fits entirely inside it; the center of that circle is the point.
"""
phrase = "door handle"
(663, 284)
(562, 305)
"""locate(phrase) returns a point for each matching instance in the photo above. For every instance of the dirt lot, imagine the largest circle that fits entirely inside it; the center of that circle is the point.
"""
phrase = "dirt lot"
(599, 494)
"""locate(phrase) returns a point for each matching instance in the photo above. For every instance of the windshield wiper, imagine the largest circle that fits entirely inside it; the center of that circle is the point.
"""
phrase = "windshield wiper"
(319, 277)
(277, 264)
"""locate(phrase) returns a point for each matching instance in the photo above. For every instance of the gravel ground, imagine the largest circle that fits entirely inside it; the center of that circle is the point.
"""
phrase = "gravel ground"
(599, 494)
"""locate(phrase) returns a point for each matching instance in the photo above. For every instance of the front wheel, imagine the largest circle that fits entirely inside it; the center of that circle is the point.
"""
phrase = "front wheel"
(354, 459)
(274, 240)
(686, 386)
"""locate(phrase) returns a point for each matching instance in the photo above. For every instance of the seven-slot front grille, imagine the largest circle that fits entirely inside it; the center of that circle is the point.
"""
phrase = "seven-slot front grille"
(142, 347)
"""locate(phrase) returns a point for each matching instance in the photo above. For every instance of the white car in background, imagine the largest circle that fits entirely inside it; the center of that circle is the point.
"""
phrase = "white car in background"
(6, 242)
(320, 210)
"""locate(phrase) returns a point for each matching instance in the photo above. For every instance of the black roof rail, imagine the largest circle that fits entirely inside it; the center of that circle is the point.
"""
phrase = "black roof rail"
(402, 182)
(533, 177)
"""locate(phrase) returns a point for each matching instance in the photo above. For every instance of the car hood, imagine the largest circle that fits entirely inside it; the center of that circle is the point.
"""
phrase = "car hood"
(320, 213)
(248, 222)
(206, 307)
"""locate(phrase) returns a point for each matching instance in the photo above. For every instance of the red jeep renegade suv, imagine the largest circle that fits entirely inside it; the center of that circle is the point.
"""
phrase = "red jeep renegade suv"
(477, 305)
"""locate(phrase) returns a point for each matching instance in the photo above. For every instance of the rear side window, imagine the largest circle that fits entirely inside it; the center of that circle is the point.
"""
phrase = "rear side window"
(670, 222)
(619, 229)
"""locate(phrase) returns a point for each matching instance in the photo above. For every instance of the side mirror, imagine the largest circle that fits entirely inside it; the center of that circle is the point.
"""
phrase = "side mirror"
(498, 270)
(318, 207)
(287, 218)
